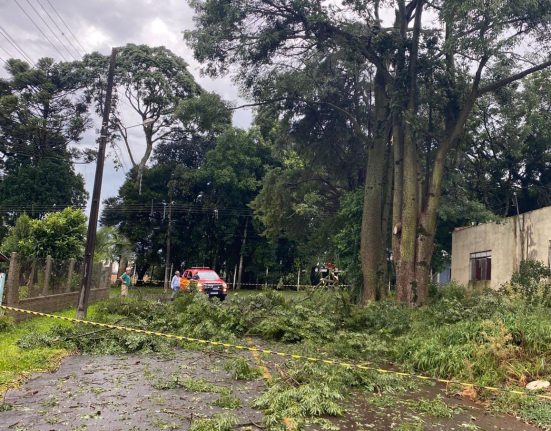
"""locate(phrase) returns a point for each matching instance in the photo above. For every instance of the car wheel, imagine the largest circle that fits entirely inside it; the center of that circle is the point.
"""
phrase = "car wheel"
(222, 297)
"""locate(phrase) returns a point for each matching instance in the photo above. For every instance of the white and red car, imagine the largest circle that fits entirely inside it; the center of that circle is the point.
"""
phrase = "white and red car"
(206, 280)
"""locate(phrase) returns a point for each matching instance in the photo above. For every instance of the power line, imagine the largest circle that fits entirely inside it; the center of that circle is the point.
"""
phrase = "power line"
(60, 30)
(40, 30)
(12, 41)
(7, 52)
(50, 28)
(66, 26)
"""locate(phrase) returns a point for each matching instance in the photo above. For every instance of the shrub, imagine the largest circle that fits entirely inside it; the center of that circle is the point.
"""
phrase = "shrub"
(7, 323)
(384, 318)
(530, 283)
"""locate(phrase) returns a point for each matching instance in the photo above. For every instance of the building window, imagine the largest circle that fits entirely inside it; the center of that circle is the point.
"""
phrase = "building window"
(481, 266)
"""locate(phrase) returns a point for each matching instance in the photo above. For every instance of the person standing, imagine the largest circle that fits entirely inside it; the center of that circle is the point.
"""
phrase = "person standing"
(126, 282)
(175, 285)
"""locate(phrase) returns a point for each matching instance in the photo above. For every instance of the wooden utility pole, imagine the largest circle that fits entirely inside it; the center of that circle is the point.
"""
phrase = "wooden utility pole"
(168, 266)
(241, 256)
(96, 195)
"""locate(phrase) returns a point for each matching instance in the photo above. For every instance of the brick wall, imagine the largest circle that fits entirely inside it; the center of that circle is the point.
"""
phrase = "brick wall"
(58, 302)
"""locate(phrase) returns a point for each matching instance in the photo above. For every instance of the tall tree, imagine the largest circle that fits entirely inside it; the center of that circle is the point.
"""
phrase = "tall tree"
(150, 82)
(467, 48)
(42, 116)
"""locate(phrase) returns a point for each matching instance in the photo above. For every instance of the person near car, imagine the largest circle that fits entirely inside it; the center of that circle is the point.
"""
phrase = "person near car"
(175, 285)
(126, 282)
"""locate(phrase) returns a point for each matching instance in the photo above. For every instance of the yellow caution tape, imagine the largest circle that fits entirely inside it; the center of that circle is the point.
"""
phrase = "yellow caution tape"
(347, 365)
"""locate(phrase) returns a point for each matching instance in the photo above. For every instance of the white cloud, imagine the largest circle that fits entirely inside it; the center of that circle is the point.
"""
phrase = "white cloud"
(93, 38)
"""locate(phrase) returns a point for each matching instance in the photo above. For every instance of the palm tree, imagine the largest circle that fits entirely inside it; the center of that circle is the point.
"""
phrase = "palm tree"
(111, 245)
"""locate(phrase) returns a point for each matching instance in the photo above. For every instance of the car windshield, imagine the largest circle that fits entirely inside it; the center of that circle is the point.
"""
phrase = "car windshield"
(208, 275)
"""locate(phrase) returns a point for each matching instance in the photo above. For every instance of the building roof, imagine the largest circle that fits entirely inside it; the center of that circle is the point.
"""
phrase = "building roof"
(3, 258)
(501, 221)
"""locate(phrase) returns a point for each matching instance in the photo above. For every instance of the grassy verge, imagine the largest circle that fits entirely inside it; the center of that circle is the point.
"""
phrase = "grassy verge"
(17, 362)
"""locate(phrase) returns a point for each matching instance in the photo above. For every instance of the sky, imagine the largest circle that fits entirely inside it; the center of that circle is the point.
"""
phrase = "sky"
(98, 25)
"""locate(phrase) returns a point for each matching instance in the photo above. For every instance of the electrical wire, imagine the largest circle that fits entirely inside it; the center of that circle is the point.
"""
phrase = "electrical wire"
(51, 31)
(40, 30)
(12, 41)
(66, 26)
(60, 30)
(7, 52)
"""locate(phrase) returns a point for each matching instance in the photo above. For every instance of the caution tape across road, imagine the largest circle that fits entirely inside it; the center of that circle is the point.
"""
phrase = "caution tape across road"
(256, 349)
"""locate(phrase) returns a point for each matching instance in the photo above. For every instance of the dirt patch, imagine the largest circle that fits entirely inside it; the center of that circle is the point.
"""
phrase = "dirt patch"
(130, 392)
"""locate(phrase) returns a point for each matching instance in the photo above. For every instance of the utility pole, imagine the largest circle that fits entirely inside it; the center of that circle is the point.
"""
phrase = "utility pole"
(96, 195)
(242, 252)
(168, 267)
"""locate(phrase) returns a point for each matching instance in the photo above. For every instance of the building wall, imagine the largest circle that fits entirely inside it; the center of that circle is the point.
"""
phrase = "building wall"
(508, 245)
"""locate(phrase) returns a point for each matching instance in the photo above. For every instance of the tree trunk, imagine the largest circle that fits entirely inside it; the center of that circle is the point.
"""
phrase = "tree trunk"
(372, 235)
(387, 217)
(406, 282)
(398, 191)
(145, 158)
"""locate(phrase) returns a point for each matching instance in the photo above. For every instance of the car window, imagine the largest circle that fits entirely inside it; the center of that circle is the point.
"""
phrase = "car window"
(208, 275)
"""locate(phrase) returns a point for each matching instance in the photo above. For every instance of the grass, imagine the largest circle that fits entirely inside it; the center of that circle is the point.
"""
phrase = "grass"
(16, 363)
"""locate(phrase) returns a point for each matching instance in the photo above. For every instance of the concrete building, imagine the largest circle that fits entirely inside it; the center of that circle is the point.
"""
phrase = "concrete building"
(488, 254)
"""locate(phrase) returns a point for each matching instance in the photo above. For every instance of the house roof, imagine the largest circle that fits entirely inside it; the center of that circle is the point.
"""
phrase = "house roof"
(3, 258)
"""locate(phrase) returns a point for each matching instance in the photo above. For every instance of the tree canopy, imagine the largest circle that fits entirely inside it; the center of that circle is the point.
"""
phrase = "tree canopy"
(58, 234)
(428, 67)
(42, 119)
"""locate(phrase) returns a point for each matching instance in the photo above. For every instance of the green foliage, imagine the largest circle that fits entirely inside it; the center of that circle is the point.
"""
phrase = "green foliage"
(201, 385)
(60, 235)
(110, 244)
(20, 237)
(221, 422)
(298, 403)
(530, 409)
(530, 283)
(210, 202)
(489, 339)
(435, 407)
(41, 116)
(228, 401)
(6, 323)
(240, 369)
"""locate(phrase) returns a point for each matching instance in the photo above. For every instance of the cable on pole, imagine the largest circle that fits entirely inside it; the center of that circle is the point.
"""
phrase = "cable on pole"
(40, 30)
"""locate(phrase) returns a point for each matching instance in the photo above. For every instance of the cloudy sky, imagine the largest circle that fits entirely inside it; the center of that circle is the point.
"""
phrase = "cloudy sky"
(99, 25)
